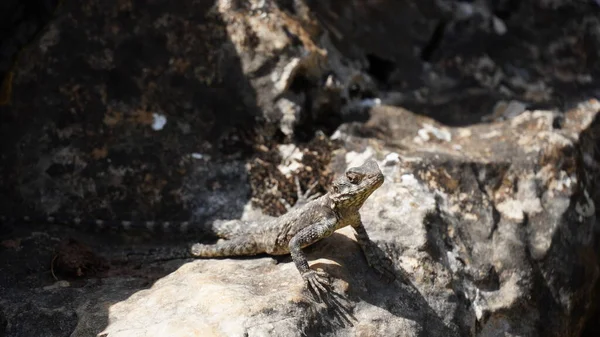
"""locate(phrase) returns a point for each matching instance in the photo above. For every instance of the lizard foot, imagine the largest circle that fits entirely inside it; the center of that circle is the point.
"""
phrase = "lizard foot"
(317, 282)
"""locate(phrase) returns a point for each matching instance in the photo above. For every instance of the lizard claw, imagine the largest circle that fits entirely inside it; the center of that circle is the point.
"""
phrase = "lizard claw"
(317, 282)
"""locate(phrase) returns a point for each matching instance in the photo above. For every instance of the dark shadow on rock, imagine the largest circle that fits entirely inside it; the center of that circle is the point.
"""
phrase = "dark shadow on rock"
(20, 23)
(575, 271)
(564, 281)
(399, 297)
(334, 313)
(465, 67)
(84, 136)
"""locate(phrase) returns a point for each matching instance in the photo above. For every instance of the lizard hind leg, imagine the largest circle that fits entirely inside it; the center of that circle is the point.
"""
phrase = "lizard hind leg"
(241, 246)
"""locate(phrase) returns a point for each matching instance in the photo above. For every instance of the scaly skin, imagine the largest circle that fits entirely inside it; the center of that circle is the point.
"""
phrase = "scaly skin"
(305, 225)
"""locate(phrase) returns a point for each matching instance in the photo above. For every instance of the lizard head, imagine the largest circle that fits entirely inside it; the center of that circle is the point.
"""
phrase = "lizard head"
(356, 185)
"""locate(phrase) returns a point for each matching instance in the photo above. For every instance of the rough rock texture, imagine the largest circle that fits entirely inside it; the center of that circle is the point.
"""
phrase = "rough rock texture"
(83, 130)
(121, 106)
(20, 23)
(490, 226)
(493, 225)
(490, 219)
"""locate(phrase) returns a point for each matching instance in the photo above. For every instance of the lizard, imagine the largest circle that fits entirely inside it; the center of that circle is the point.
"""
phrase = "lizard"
(309, 221)
(305, 225)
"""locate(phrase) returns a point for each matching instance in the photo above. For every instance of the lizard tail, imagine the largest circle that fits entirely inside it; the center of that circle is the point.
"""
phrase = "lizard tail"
(229, 229)
(237, 247)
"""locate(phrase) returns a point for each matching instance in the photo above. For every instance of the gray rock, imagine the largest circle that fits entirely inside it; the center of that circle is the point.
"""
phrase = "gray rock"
(491, 227)
(490, 233)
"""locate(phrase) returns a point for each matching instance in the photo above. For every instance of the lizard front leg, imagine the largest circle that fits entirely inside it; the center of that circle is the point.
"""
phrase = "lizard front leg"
(317, 282)
(380, 263)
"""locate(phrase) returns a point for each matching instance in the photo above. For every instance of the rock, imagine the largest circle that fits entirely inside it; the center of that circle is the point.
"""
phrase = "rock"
(503, 209)
(492, 237)
(490, 234)
(258, 297)
(135, 82)
(150, 109)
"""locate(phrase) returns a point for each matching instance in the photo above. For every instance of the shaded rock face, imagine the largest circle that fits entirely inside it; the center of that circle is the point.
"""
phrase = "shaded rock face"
(161, 110)
(115, 103)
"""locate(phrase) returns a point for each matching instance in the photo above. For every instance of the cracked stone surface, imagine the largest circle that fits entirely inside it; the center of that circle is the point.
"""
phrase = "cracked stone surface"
(465, 265)
(481, 118)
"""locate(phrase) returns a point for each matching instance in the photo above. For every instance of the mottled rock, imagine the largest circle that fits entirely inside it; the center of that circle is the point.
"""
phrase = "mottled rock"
(491, 231)
(160, 110)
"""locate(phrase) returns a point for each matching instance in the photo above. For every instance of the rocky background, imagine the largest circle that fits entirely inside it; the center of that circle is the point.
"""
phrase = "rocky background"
(483, 116)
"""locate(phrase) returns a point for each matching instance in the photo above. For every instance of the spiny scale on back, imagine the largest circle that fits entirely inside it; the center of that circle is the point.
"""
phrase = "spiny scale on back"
(305, 225)
(340, 205)
(100, 225)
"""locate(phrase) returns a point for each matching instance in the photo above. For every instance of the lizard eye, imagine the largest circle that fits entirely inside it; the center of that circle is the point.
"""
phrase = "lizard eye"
(353, 177)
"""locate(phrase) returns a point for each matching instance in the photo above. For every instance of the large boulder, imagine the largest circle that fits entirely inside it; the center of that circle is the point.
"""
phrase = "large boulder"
(490, 227)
